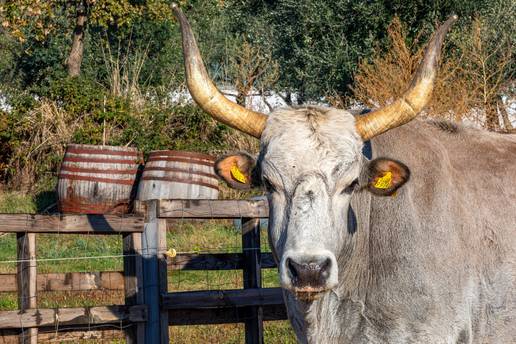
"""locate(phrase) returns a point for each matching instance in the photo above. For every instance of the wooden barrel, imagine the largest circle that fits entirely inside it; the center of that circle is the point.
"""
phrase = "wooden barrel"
(178, 175)
(97, 179)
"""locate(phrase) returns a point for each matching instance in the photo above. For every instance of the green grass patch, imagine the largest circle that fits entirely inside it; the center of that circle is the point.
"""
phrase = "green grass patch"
(13, 202)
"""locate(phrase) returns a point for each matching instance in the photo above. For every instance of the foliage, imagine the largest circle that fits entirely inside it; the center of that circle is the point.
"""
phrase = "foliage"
(473, 77)
(78, 111)
(318, 43)
(40, 18)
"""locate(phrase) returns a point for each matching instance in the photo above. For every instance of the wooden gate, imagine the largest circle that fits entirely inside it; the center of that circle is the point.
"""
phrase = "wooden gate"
(149, 308)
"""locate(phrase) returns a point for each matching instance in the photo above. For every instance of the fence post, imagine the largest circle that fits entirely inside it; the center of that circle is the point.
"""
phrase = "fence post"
(26, 278)
(133, 282)
(163, 278)
(154, 268)
(252, 277)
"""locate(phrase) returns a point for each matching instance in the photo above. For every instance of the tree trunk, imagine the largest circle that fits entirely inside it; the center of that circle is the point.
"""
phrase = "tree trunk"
(505, 116)
(74, 60)
(492, 120)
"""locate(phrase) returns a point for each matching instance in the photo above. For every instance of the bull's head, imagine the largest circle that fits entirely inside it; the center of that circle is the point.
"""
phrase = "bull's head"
(310, 163)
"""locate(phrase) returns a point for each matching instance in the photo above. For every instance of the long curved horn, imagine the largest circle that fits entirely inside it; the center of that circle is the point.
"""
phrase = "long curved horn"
(406, 108)
(206, 94)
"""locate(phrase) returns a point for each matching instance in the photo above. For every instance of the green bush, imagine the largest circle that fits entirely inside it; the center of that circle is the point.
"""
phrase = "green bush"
(77, 110)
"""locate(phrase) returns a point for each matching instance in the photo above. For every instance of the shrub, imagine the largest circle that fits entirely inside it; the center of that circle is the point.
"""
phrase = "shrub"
(37, 129)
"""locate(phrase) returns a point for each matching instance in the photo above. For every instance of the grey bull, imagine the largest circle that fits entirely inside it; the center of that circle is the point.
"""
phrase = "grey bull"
(433, 256)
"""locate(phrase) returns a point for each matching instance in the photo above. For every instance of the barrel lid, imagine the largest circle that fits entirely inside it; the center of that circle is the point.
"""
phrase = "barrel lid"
(102, 150)
(183, 154)
(102, 147)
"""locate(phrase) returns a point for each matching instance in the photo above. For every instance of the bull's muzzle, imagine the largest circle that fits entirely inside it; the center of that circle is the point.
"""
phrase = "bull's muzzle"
(309, 273)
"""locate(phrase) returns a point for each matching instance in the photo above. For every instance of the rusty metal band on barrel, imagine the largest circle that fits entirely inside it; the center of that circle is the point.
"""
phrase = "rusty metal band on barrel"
(94, 179)
(181, 170)
(181, 180)
(65, 168)
(199, 162)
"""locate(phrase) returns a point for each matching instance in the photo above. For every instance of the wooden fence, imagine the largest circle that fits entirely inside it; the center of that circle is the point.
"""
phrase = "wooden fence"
(149, 307)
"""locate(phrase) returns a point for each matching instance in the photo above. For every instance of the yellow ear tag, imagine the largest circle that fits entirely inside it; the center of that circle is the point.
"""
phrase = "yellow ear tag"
(238, 175)
(171, 253)
(384, 182)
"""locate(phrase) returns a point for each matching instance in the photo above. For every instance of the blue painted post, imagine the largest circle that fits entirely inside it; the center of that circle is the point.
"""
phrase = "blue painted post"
(153, 247)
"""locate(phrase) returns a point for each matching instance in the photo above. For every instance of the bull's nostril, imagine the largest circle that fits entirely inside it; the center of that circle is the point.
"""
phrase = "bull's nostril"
(292, 268)
(326, 264)
(325, 268)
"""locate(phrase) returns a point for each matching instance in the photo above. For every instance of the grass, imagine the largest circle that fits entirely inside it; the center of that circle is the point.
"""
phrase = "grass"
(183, 236)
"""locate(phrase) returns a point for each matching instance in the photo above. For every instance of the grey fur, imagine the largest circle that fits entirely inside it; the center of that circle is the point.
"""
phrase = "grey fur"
(434, 264)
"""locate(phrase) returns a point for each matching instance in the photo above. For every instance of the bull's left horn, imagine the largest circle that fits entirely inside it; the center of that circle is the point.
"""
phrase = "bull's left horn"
(407, 107)
(206, 94)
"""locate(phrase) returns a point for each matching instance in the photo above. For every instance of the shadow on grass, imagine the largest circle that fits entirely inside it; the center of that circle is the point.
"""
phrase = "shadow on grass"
(46, 202)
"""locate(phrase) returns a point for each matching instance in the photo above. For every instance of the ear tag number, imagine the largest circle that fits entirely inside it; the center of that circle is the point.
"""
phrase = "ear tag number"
(238, 175)
(384, 182)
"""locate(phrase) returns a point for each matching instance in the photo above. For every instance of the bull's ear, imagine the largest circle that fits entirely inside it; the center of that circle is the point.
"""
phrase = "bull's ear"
(236, 170)
(385, 176)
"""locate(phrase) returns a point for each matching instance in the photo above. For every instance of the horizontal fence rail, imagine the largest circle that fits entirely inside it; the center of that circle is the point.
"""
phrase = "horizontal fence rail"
(222, 315)
(212, 209)
(94, 224)
(223, 298)
(45, 317)
(69, 281)
(66, 334)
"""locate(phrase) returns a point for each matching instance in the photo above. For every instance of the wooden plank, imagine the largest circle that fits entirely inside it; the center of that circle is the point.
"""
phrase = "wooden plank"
(212, 209)
(45, 317)
(215, 261)
(133, 282)
(95, 224)
(64, 335)
(252, 274)
(162, 277)
(223, 298)
(26, 283)
(69, 281)
(224, 315)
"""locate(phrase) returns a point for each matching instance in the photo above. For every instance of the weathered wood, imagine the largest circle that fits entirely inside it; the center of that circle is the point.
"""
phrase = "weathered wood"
(73, 281)
(163, 279)
(209, 209)
(178, 175)
(223, 315)
(64, 335)
(252, 274)
(223, 298)
(216, 261)
(94, 224)
(45, 317)
(97, 179)
(133, 277)
(26, 283)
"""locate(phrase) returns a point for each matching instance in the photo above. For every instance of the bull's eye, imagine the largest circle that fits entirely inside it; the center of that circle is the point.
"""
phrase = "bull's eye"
(268, 185)
(351, 187)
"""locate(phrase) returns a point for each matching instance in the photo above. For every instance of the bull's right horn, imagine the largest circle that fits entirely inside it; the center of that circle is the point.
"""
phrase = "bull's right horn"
(206, 94)
(407, 107)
